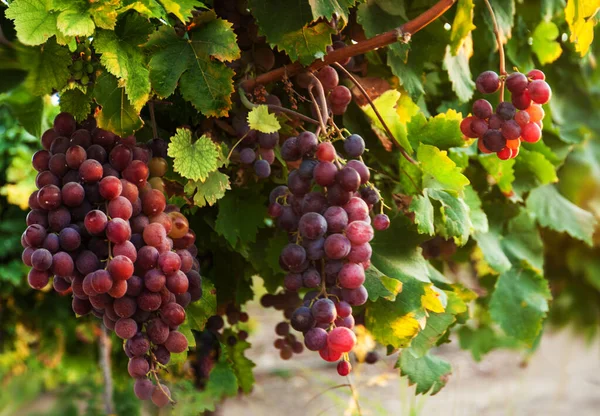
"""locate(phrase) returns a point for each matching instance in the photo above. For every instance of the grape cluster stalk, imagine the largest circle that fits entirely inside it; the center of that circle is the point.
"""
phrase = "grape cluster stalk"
(502, 131)
(326, 209)
(100, 230)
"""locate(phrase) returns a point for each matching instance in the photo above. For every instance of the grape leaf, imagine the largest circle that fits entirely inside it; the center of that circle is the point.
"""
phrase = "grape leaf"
(27, 109)
(105, 13)
(554, 211)
(193, 161)
(291, 32)
(442, 131)
(75, 19)
(423, 209)
(439, 171)
(578, 14)
(478, 218)
(379, 285)
(482, 340)
(458, 70)
(539, 170)
(462, 25)
(519, 303)
(48, 67)
(523, 241)
(260, 119)
(490, 245)
(242, 366)
(209, 191)
(429, 373)
(76, 102)
(117, 113)
(181, 8)
(35, 22)
(410, 76)
(122, 56)
(545, 44)
(327, 8)
(205, 82)
(197, 313)
(149, 8)
(386, 106)
(454, 220)
(240, 217)
(502, 171)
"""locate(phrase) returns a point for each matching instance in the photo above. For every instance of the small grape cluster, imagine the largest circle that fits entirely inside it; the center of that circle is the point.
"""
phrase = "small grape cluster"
(502, 131)
(111, 240)
(330, 230)
(256, 148)
(82, 68)
(338, 96)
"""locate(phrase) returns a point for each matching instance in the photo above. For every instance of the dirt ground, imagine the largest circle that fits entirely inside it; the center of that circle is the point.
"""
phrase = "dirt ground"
(561, 378)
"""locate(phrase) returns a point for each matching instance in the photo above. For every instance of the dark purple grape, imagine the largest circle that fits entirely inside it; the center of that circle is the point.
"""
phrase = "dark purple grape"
(302, 319)
(516, 82)
(311, 278)
(307, 143)
(293, 255)
(312, 226)
(348, 179)
(289, 150)
(323, 311)
(488, 82)
(506, 111)
(262, 169)
(354, 145)
(247, 156)
(268, 140)
(482, 109)
(494, 141)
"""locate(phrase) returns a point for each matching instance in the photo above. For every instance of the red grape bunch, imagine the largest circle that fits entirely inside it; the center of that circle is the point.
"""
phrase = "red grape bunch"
(100, 231)
(325, 208)
(520, 120)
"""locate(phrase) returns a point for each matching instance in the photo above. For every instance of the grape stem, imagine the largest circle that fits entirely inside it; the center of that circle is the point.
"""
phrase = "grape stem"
(372, 104)
(153, 119)
(500, 48)
(316, 83)
(104, 346)
(401, 33)
(318, 110)
(153, 371)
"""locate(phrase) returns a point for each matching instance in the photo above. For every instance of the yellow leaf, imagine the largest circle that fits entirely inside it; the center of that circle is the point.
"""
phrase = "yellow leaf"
(580, 15)
(431, 300)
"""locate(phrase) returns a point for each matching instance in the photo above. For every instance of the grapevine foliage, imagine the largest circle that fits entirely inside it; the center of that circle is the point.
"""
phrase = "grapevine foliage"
(287, 180)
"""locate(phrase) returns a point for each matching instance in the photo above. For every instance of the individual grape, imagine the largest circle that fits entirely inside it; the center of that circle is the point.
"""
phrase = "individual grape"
(307, 143)
(136, 172)
(143, 388)
(60, 284)
(488, 82)
(176, 342)
(289, 150)
(120, 207)
(262, 168)
(35, 235)
(48, 137)
(359, 232)
(154, 234)
(59, 219)
(315, 339)
(531, 133)
(69, 239)
(341, 339)
(381, 222)
(311, 278)
(158, 167)
(126, 328)
(49, 197)
(362, 170)
(340, 96)
(40, 160)
(130, 191)
(126, 249)
(75, 156)
(323, 311)
(268, 140)
(360, 253)
(72, 194)
(59, 145)
(344, 368)
(511, 130)
(38, 279)
(535, 112)
(46, 178)
(120, 267)
(173, 314)
(351, 276)
(158, 331)
(149, 301)
(504, 154)
(337, 246)
(177, 282)
(118, 289)
(81, 306)
(64, 124)
(97, 153)
(125, 307)
(161, 396)
(37, 216)
(482, 109)
(325, 173)
(162, 355)
(521, 101)
(180, 225)
(354, 145)
(330, 355)
(91, 171)
(293, 282)
(314, 202)
(153, 202)
(536, 74)
(26, 256)
(348, 179)
(101, 281)
(247, 156)
(41, 259)
(329, 77)
(539, 91)
(325, 152)
(138, 366)
(465, 127)
(302, 319)
(355, 297)
(120, 156)
(58, 165)
(293, 255)
(516, 83)
(169, 262)
(506, 110)
(95, 222)
(522, 118)
(312, 226)
(494, 141)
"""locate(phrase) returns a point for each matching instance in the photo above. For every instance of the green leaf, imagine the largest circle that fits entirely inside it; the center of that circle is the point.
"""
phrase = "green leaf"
(439, 171)
(209, 191)
(198, 312)
(554, 211)
(240, 217)
(410, 76)
(205, 82)
(502, 171)
(379, 285)
(196, 160)
(455, 221)
(536, 163)
(519, 304)
(459, 72)
(478, 218)
(327, 8)
(386, 105)
(442, 131)
(76, 20)
(105, 13)
(76, 102)
(48, 67)
(35, 22)
(28, 110)
(429, 373)
(578, 14)
(462, 24)
(122, 56)
(545, 45)
(423, 209)
(490, 245)
(260, 119)
(482, 340)
(523, 241)
(181, 8)
(117, 114)
(291, 32)
(242, 366)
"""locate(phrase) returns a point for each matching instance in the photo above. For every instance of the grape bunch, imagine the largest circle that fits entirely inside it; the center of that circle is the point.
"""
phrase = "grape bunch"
(502, 131)
(82, 67)
(338, 96)
(256, 149)
(325, 208)
(108, 238)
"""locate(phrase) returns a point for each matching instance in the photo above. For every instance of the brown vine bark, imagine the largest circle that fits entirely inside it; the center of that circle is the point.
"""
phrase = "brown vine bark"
(406, 30)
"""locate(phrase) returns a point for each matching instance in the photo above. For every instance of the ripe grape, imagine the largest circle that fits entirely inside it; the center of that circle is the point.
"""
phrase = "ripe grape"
(482, 109)
(488, 82)
(516, 83)
(539, 91)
